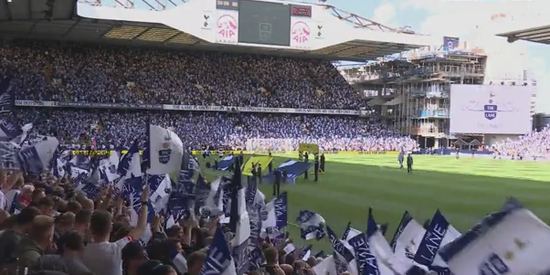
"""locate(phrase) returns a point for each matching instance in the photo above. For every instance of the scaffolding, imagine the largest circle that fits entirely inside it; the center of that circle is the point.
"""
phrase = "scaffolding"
(414, 94)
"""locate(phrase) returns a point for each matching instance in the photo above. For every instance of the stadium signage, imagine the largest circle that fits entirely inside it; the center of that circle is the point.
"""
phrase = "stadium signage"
(171, 107)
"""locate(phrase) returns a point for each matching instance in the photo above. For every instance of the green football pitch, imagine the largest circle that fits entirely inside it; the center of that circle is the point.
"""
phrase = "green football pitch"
(464, 190)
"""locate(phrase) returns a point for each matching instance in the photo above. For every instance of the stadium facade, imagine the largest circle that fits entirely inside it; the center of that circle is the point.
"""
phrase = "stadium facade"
(412, 90)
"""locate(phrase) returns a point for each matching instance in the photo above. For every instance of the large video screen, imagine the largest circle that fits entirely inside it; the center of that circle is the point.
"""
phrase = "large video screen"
(491, 109)
(264, 23)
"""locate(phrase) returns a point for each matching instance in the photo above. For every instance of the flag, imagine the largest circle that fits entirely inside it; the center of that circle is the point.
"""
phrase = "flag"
(6, 98)
(9, 155)
(510, 241)
(239, 223)
(305, 252)
(165, 150)
(9, 130)
(218, 258)
(439, 233)
(160, 192)
(262, 160)
(346, 231)
(407, 237)
(36, 158)
(312, 225)
(326, 267)
(109, 167)
(342, 253)
(125, 167)
(292, 168)
(226, 162)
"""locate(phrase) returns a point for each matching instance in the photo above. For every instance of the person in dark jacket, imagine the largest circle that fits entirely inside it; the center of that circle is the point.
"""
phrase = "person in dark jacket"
(277, 183)
(73, 248)
(259, 171)
(401, 158)
(409, 163)
(322, 162)
(316, 167)
(31, 248)
(10, 238)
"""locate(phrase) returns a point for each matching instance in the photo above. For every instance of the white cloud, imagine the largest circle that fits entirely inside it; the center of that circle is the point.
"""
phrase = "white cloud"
(385, 13)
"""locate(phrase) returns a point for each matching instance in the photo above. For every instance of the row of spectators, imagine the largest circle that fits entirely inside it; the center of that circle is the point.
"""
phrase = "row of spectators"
(532, 145)
(93, 73)
(216, 129)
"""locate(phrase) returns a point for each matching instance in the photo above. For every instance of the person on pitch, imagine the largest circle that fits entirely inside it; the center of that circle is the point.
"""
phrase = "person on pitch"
(277, 183)
(259, 170)
(322, 162)
(401, 158)
(409, 163)
(316, 166)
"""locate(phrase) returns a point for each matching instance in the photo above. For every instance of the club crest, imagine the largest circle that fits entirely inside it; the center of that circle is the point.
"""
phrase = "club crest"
(165, 151)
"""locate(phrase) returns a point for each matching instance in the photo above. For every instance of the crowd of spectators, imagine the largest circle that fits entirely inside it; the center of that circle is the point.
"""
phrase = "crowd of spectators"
(228, 130)
(94, 73)
(48, 228)
(532, 146)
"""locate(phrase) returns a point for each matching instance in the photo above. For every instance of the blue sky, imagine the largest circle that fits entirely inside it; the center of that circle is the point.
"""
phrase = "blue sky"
(474, 22)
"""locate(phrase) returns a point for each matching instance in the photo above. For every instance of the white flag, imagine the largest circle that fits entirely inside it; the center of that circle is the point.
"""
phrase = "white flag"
(165, 151)
(512, 241)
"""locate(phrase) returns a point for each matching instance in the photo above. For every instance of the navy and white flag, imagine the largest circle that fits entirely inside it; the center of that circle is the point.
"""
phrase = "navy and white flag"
(127, 165)
(510, 241)
(342, 253)
(109, 167)
(6, 98)
(160, 191)
(407, 237)
(292, 168)
(440, 233)
(239, 224)
(202, 192)
(218, 260)
(90, 190)
(226, 162)
(312, 225)
(165, 151)
(213, 203)
(186, 186)
(350, 232)
(327, 267)
(9, 130)
(9, 155)
(36, 158)
(305, 252)
(281, 210)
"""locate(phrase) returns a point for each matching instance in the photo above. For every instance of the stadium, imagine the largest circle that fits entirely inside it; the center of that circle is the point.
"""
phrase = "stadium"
(210, 105)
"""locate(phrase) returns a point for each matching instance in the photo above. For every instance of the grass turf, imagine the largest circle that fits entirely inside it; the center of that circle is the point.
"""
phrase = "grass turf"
(464, 190)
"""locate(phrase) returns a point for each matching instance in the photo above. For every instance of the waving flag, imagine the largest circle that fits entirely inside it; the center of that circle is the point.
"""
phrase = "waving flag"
(239, 223)
(36, 158)
(9, 155)
(312, 225)
(9, 130)
(127, 165)
(226, 162)
(109, 167)
(305, 253)
(6, 97)
(438, 234)
(407, 237)
(350, 232)
(165, 151)
(326, 267)
(510, 241)
(161, 192)
(218, 258)
(342, 253)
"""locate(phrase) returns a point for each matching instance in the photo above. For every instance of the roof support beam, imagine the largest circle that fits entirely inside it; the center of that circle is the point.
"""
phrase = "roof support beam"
(7, 9)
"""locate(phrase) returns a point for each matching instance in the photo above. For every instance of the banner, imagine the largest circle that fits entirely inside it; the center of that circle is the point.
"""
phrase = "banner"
(262, 160)
(308, 147)
(198, 108)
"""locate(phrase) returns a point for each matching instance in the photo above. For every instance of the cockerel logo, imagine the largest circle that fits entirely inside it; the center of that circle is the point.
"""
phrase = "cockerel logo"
(300, 32)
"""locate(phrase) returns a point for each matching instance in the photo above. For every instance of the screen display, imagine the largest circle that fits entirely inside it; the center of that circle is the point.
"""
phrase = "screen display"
(491, 109)
(264, 23)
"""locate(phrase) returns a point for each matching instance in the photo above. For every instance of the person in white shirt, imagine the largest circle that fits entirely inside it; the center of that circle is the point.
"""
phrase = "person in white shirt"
(103, 257)
(7, 194)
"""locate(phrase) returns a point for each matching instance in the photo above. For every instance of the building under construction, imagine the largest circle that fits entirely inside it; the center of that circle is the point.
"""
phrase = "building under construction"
(413, 94)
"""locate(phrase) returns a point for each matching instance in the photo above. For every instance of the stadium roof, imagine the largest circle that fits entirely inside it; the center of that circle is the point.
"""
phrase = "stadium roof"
(533, 26)
(355, 38)
(539, 34)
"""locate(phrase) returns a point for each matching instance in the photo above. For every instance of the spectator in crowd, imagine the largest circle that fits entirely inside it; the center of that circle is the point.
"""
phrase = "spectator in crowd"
(9, 241)
(73, 249)
(39, 240)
